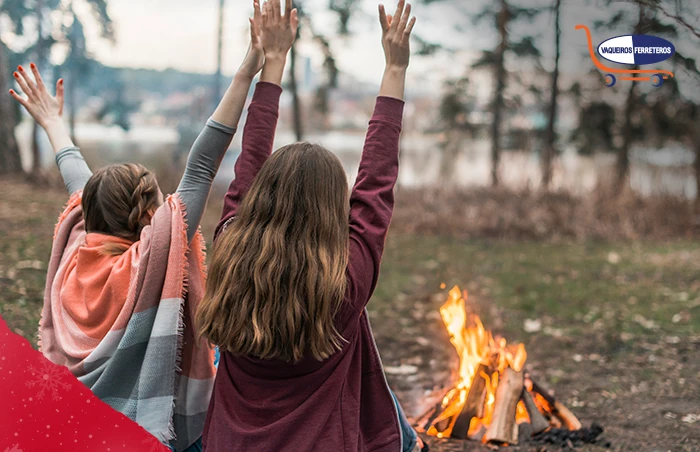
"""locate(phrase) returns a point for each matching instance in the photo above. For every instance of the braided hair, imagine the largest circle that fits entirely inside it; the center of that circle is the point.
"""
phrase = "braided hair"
(119, 200)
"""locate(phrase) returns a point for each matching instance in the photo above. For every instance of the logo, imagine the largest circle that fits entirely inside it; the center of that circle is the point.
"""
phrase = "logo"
(636, 50)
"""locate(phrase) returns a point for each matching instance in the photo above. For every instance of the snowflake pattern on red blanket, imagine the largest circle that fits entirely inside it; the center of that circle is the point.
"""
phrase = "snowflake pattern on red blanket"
(47, 378)
(45, 408)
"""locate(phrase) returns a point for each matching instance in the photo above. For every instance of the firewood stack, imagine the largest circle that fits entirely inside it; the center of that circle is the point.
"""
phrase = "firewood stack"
(516, 392)
(494, 397)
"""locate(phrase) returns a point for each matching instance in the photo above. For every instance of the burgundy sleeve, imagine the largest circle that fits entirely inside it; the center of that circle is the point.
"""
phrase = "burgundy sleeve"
(258, 139)
(372, 199)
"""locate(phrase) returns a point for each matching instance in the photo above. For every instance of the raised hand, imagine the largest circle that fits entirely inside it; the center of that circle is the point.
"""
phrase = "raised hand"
(254, 59)
(44, 108)
(279, 31)
(396, 34)
(47, 110)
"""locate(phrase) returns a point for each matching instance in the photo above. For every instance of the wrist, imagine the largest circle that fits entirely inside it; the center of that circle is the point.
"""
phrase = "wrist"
(394, 68)
(273, 71)
(243, 76)
(58, 133)
(51, 122)
(275, 57)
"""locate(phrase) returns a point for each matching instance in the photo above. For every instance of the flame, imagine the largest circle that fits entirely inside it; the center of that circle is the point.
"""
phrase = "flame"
(475, 346)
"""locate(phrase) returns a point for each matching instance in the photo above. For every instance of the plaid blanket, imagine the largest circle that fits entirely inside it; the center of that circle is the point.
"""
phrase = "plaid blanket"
(124, 325)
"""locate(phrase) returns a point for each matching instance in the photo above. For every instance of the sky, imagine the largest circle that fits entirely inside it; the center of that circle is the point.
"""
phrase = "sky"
(182, 34)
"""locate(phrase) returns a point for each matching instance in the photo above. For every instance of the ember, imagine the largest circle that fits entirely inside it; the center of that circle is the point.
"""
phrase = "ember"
(492, 393)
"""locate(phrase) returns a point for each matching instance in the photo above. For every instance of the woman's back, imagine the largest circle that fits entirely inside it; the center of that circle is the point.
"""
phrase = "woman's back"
(292, 377)
(343, 402)
(340, 404)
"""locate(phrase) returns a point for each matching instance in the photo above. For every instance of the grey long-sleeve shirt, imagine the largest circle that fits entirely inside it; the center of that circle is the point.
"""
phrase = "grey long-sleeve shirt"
(203, 163)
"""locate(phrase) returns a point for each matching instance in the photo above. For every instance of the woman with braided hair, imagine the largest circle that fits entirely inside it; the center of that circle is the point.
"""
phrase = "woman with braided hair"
(126, 272)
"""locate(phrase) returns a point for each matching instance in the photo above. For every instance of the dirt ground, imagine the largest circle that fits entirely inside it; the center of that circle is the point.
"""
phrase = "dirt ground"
(616, 335)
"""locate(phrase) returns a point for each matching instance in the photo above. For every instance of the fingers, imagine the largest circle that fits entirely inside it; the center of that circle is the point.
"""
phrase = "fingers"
(19, 98)
(383, 21)
(409, 29)
(288, 9)
(276, 11)
(257, 14)
(19, 77)
(294, 20)
(266, 15)
(253, 32)
(404, 20)
(37, 76)
(28, 80)
(397, 15)
(59, 95)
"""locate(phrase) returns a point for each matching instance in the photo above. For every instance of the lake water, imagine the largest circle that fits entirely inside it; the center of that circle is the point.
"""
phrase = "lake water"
(667, 171)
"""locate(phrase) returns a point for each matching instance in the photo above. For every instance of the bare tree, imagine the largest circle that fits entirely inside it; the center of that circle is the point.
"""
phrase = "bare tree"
(10, 161)
(496, 60)
(550, 134)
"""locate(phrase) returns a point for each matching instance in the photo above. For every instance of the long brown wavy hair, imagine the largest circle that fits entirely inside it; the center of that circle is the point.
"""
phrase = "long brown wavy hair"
(120, 200)
(278, 272)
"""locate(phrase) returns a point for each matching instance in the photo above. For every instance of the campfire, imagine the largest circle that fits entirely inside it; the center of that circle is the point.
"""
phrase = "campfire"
(494, 399)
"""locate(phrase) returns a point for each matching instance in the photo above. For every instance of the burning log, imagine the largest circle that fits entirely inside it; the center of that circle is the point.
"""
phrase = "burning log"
(474, 406)
(426, 420)
(503, 428)
(479, 434)
(493, 400)
(538, 422)
(567, 418)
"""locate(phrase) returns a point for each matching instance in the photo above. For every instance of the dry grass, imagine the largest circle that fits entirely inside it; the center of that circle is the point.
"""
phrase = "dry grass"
(504, 213)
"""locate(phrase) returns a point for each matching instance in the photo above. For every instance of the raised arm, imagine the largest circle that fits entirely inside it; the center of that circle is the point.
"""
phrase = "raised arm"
(211, 145)
(278, 33)
(47, 111)
(372, 198)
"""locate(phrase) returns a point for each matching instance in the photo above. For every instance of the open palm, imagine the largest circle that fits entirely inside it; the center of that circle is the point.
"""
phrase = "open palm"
(255, 57)
(43, 107)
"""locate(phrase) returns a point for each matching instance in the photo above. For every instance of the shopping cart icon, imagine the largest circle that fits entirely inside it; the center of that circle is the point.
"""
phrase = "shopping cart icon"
(657, 76)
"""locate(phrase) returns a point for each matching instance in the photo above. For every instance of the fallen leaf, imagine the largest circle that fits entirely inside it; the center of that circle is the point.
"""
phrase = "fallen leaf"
(532, 325)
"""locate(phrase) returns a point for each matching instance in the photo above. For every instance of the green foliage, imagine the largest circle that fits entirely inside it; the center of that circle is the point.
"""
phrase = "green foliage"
(488, 58)
(595, 130)
(425, 48)
(456, 104)
(117, 106)
(525, 48)
(344, 9)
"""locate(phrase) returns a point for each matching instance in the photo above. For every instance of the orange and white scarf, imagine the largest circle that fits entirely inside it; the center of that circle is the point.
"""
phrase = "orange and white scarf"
(124, 325)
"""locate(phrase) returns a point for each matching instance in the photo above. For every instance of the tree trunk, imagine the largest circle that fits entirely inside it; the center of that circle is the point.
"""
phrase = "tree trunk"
(40, 58)
(296, 104)
(10, 161)
(549, 151)
(623, 162)
(502, 21)
(696, 145)
(219, 55)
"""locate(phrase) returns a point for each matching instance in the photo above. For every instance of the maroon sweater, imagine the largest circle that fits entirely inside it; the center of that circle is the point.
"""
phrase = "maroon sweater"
(342, 404)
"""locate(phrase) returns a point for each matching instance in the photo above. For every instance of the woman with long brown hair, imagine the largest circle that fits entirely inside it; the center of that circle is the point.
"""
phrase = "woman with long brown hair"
(126, 271)
(295, 262)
